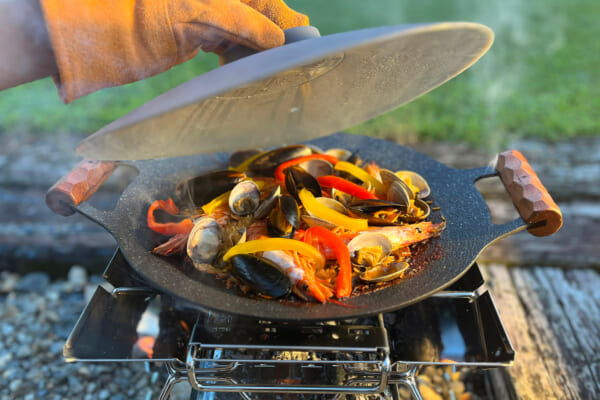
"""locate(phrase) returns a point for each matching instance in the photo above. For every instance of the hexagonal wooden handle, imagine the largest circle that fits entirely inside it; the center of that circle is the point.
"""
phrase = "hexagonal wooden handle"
(528, 194)
(78, 185)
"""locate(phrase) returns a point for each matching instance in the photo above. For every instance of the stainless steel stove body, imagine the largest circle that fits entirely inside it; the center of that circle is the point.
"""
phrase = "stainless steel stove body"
(238, 356)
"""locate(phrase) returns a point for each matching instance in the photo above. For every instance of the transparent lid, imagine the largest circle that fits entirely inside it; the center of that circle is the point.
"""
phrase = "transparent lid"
(293, 93)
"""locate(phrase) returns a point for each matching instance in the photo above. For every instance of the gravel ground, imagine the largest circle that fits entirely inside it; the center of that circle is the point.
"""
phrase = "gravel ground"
(36, 317)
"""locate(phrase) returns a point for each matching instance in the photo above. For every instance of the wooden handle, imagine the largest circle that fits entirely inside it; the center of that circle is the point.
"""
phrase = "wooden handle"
(528, 194)
(78, 185)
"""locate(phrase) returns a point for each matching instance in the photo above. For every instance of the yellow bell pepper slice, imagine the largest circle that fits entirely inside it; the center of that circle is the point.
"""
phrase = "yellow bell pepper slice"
(268, 244)
(317, 209)
(361, 174)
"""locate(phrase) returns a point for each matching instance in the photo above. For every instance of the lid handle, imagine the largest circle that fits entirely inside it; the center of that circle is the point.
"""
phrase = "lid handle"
(292, 35)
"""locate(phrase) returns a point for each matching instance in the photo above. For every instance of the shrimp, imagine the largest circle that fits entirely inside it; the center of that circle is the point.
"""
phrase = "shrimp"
(402, 236)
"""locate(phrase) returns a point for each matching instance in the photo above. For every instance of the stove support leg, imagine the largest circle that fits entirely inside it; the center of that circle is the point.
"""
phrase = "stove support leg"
(175, 375)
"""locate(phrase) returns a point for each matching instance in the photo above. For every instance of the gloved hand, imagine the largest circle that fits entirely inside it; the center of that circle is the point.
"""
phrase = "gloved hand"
(99, 44)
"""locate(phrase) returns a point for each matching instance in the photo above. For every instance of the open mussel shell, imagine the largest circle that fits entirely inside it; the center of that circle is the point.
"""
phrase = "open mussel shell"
(244, 198)
(369, 249)
(267, 204)
(196, 192)
(266, 163)
(384, 273)
(237, 158)
(204, 241)
(297, 178)
(417, 181)
(262, 276)
(284, 218)
(367, 209)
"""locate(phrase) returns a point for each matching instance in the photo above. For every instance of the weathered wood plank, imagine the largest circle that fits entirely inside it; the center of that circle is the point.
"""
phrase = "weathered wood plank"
(530, 377)
(583, 314)
(552, 331)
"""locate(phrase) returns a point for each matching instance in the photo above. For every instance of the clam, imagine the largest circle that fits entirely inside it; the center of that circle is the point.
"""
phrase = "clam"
(262, 276)
(342, 197)
(335, 205)
(244, 198)
(204, 241)
(340, 154)
(399, 193)
(369, 249)
(419, 212)
(383, 273)
(412, 179)
(317, 167)
(396, 188)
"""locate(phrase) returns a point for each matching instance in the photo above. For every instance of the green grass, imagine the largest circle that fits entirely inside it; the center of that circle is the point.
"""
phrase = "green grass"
(539, 79)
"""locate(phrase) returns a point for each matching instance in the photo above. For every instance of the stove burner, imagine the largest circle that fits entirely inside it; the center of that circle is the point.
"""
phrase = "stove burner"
(219, 353)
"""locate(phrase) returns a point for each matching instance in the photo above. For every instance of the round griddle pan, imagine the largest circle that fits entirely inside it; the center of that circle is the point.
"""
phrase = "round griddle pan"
(437, 265)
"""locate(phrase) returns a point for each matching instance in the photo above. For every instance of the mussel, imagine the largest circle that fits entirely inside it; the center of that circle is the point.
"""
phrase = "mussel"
(266, 163)
(297, 178)
(317, 167)
(204, 241)
(239, 157)
(284, 217)
(200, 190)
(262, 276)
(244, 198)
(368, 208)
(267, 204)
(384, 273)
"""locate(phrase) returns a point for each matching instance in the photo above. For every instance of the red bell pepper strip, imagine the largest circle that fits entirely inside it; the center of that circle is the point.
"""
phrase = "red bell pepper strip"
(169, 228)
(295, 161)
(343, 282)
(344, 185)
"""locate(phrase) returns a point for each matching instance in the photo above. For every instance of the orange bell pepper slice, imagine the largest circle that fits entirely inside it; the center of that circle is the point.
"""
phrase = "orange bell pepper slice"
(169, 228)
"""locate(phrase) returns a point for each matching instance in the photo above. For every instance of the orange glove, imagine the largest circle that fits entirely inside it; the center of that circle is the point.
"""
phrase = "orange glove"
(100, 44)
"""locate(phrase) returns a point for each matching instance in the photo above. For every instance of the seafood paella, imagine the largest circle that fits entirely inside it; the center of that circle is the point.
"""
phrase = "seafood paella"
(299, 222)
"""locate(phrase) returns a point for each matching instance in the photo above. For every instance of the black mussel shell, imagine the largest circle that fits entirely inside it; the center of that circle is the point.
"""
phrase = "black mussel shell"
(284, 218)
(297, 178)
(366, 209)
(238, 157)
(196, 192)
(267, 163)
(262, 276)
(419, 203)
(268, 204)
(372, 205)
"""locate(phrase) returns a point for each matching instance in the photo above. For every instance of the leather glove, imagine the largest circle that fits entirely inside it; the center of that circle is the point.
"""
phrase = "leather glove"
(100, 44)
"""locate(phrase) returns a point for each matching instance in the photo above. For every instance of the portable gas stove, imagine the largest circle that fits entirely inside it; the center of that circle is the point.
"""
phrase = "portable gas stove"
(223, 353)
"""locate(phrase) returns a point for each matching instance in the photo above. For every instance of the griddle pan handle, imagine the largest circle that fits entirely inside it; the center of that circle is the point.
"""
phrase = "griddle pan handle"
(528, 194)
(78, 185)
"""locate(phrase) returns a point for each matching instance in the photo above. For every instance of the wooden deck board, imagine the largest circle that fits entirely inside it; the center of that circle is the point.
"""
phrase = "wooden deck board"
(553, 319)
